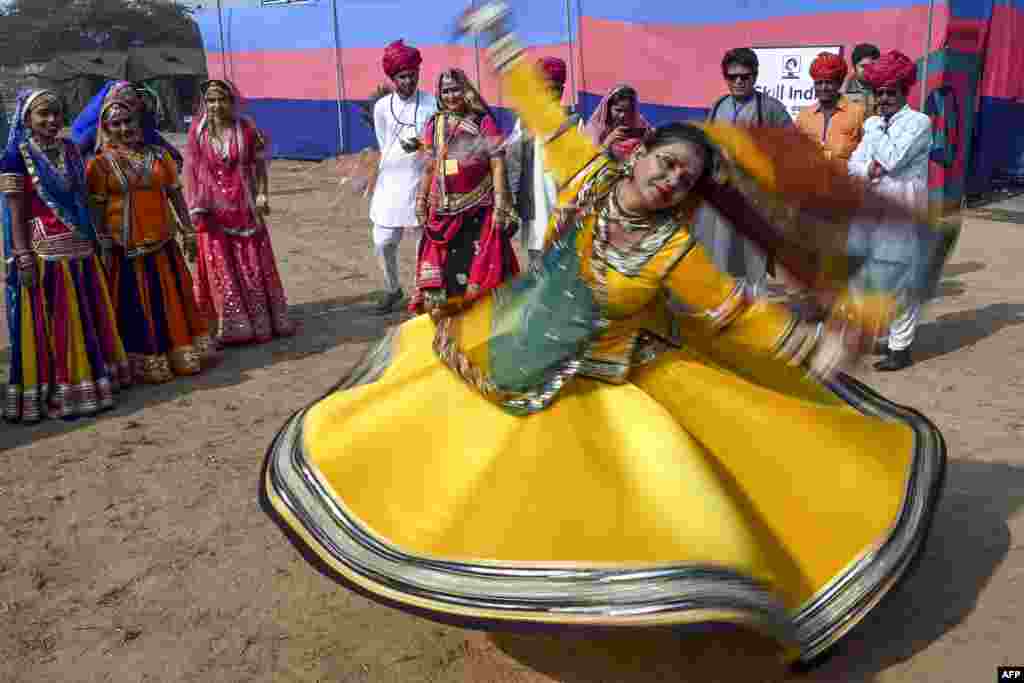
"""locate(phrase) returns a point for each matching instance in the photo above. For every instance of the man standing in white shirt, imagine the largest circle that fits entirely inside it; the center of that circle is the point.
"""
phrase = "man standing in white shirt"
(398, 121)
(893, 157)
(531, 186)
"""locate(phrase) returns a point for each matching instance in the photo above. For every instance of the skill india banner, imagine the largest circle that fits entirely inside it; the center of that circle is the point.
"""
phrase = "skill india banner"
(784, 73)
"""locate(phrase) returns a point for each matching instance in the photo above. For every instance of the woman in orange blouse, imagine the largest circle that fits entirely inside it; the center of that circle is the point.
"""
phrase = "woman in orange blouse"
(139, 208)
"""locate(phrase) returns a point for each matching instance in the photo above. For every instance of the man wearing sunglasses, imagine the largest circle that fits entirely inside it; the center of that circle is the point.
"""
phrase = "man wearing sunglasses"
(743, 106)
(893, 158)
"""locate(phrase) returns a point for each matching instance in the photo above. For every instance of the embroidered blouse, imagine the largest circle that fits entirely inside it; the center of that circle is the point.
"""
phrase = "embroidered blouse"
(597, 308)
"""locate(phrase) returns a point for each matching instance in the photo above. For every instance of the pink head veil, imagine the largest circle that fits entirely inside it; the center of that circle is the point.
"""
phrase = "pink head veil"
(598, 128)
(202, 183)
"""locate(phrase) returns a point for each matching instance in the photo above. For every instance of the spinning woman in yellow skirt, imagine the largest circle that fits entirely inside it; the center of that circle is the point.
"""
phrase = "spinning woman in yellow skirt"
(570, 450)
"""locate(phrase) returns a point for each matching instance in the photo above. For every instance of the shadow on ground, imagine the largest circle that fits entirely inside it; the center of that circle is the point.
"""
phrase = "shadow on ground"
(949, 286)
(323, 325)
(970, 539)
(950, 332)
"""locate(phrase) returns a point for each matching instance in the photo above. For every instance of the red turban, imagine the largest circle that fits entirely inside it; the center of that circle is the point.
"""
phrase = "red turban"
(892, 70)
(553, 68)
(399, 57)
(828, 66)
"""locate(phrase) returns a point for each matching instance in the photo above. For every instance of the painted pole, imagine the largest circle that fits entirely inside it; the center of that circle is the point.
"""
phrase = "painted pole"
(572, 57)
(339, 77)
(927, 54)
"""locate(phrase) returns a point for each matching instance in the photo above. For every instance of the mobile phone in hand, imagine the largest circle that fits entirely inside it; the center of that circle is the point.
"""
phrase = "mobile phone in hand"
(631, 132)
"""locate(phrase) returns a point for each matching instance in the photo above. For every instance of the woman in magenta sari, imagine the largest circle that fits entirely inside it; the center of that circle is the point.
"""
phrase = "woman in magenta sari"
(617, 126)
(463, 202)
(237, 284)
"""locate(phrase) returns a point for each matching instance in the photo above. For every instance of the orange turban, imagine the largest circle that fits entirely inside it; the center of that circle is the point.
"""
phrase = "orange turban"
(399, 57)
(553, 68)
(892, 70)
(828, 66)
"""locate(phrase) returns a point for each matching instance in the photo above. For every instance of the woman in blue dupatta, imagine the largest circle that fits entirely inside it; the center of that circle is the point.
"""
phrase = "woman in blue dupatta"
(85, 128)
(67, 358)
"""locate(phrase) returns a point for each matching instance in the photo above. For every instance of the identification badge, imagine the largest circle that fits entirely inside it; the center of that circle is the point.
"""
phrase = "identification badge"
(451, 166)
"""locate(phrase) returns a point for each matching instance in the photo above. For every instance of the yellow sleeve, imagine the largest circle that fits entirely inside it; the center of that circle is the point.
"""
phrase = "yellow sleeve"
(723, 307)
(567, 150)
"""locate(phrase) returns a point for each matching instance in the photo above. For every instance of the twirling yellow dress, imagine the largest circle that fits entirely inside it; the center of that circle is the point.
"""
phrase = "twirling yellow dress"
(569, 451)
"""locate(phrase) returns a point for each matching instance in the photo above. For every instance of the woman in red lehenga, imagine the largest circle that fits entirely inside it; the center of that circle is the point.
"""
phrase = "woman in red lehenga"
(237, 284)
(463, 202)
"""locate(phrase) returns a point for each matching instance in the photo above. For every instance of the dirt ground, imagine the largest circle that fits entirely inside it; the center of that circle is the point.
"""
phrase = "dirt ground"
(136, 551)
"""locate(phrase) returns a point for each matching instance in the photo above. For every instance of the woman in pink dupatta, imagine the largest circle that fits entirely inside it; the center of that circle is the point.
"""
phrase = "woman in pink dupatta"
(463, 202)
(237, 284)
(617, 126)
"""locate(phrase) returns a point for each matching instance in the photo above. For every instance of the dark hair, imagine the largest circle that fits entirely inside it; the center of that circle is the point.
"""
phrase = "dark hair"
(864, 50)
(743, 56)
(623, 93)
(474, 99)
(679, 131)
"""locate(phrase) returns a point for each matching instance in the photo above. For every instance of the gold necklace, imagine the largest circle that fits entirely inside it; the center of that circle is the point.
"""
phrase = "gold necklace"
(632, 222)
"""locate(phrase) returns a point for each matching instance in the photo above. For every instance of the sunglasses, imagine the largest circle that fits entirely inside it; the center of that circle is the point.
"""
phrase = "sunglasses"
(739, 78)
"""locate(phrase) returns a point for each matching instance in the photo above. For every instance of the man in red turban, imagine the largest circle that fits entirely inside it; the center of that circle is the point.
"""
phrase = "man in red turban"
(531, 186)
(828, 66)
(398, 121)
(554, 69)
(893, 158)
(399, 57)
(835, 122)
(892, 70)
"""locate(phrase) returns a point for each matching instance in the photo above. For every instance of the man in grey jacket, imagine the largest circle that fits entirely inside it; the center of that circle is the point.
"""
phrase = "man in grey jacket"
(743, 106)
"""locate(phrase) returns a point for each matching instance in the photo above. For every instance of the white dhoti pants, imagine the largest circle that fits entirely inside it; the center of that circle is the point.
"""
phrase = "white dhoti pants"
(904, 327)
(385, 245)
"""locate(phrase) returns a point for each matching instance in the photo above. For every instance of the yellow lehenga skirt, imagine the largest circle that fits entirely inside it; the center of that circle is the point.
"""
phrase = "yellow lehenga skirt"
(708, 488)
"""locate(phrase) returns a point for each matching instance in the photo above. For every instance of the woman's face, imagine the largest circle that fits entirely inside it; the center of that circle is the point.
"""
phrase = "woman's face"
(620, 111)
(124, 128)
(44, 119)
(663, 176)
(219, 104)
(453, 95)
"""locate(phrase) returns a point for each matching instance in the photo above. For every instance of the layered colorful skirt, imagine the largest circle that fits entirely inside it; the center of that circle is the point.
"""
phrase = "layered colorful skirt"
(163, 331)
(67, 358)
(709, 489)
(460, 258)
(238, 287)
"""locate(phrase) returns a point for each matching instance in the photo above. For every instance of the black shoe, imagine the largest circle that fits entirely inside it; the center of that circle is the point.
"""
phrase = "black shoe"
(390, 303)
(894, 360)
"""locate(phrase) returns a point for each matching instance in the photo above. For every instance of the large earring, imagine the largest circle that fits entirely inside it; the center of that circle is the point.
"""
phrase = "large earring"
(628, 167)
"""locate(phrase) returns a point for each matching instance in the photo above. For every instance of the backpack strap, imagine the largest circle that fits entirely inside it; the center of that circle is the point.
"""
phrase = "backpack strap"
(715, 107)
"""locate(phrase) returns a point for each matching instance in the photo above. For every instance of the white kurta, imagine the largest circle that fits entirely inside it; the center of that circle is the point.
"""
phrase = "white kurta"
(394, 195)
(901, 146)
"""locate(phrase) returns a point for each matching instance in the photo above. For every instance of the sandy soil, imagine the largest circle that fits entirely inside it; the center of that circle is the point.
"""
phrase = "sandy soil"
(136, 551)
